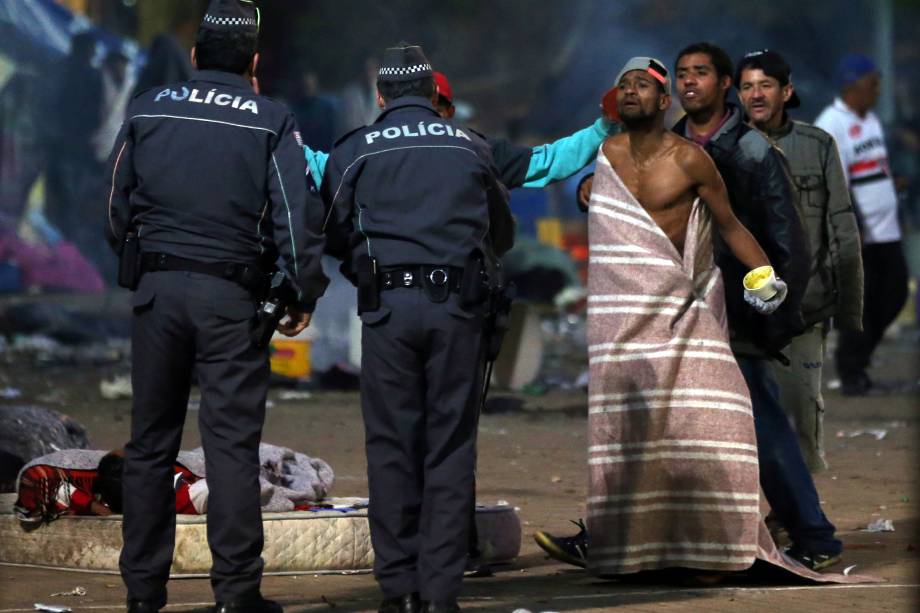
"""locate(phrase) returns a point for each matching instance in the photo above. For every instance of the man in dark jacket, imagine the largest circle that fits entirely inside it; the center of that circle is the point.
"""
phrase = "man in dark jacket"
(416, 210)
(763, 198)
(208, 177)
(764, 84)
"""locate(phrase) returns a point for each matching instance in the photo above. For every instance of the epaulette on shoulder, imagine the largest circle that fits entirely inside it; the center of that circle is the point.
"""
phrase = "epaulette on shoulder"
(345, 136)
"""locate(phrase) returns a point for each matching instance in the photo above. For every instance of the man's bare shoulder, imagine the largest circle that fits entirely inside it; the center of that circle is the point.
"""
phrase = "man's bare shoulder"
(691, 158)
(615, 147)
(616, 142)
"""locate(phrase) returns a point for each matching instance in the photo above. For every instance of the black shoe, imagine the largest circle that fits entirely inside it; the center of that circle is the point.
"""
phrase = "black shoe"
(476, 567)
(569, 549)
(142, 606)
(860, 384)
(813, 560)
(441, 606)
(407, 603)
(250, 604)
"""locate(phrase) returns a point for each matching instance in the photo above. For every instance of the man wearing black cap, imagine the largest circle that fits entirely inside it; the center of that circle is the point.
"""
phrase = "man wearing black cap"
(834, 289)
(208, 178)
(418, 215)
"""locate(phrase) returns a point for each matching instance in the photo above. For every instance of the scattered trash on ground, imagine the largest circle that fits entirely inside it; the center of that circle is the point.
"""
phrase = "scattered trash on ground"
(288, 395)
(9, 393)
(43, 350)
(116, 388)
(878, 433)
(52, 608)
(880, 525)
(77, 591)
(849, 569)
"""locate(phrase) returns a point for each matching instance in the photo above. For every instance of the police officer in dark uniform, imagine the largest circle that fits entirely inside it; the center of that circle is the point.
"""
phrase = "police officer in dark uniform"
(415, 209)
(209, 179)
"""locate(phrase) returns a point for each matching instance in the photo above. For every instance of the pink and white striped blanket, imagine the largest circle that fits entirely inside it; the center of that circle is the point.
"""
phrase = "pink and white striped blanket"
(672, 455)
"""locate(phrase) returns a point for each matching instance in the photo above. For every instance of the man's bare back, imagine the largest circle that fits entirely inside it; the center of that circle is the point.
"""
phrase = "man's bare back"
(661, 183)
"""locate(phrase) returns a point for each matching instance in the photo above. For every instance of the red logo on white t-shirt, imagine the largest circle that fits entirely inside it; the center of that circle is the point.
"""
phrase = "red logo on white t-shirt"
(855, 130)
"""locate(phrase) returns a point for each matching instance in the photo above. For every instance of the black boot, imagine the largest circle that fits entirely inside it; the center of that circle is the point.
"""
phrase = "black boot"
(407, 603)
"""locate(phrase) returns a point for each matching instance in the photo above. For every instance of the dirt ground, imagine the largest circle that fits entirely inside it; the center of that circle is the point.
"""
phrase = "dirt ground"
(534, 457)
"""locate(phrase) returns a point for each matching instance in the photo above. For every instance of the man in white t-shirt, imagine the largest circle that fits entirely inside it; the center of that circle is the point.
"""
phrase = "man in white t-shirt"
(861, 143)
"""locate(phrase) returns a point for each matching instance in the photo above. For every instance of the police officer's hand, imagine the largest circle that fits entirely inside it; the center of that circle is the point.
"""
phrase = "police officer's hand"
(294, 323)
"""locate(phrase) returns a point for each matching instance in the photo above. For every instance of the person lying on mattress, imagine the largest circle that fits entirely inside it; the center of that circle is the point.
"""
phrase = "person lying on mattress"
(46, 490)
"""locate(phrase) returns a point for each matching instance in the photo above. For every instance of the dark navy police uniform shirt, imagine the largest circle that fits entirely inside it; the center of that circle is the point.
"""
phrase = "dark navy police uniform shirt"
(414, 188)
(208, 170)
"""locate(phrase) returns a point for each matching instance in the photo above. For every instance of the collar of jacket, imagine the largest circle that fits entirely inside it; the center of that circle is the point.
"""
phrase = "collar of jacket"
(731, 128)
(407, 102)
(784, 129)
(222, 78)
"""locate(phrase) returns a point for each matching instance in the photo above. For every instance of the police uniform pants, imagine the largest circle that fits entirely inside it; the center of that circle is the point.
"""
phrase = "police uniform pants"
(183, 320)
(420, 388)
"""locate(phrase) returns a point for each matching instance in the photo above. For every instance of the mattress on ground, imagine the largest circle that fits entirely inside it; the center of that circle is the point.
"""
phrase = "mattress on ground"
(295, 541)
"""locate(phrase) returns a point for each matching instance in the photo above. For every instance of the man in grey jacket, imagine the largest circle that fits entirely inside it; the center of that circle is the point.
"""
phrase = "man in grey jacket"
(835, 285)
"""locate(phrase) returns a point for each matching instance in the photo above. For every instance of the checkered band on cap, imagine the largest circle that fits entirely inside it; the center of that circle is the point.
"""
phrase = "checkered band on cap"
(231, 21)
(404, 70)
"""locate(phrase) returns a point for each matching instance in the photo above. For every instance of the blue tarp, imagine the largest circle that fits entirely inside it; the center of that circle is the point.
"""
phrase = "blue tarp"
(36, 32)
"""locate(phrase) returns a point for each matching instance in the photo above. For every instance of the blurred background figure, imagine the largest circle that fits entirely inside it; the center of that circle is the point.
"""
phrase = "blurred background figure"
(316, 113)
(861, 142)
(167, 62)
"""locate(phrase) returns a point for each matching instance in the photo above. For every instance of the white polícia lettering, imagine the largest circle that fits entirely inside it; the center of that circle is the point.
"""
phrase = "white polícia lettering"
(250, 105)
(370, 136)
(421, 128)
(391, 132)
(180, 98)
(222, 99)
(210, 96)
(162, 94)
(194, 97)
(436, 129)
(461, 134)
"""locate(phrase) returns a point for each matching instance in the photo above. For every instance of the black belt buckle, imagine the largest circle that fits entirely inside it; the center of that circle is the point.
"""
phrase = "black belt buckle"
(436, 282)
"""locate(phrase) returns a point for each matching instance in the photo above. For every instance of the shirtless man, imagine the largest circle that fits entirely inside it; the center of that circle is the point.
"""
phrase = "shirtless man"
(666, 173)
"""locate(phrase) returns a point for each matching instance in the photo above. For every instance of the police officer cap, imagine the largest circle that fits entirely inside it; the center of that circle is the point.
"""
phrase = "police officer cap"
(404, 63)
(232, 15)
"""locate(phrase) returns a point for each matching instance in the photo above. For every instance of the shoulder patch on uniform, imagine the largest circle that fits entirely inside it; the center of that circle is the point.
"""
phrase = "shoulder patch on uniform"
(345, 136)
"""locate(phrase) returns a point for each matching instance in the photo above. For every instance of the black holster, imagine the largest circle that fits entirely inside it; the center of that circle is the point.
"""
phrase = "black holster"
(275, 297)
(474, 286)
(129, 261)
(368, 285)
(497, 319)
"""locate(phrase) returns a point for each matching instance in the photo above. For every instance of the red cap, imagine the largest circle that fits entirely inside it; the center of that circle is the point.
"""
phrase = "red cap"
(443, 86)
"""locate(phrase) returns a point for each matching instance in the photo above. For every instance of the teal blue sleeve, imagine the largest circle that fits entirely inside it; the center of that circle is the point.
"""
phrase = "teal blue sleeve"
(563, 158)
(316, 162)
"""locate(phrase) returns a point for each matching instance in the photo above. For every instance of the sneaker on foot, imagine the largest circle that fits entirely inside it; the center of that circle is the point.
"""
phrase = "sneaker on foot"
(569, 549)
(813, 560)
